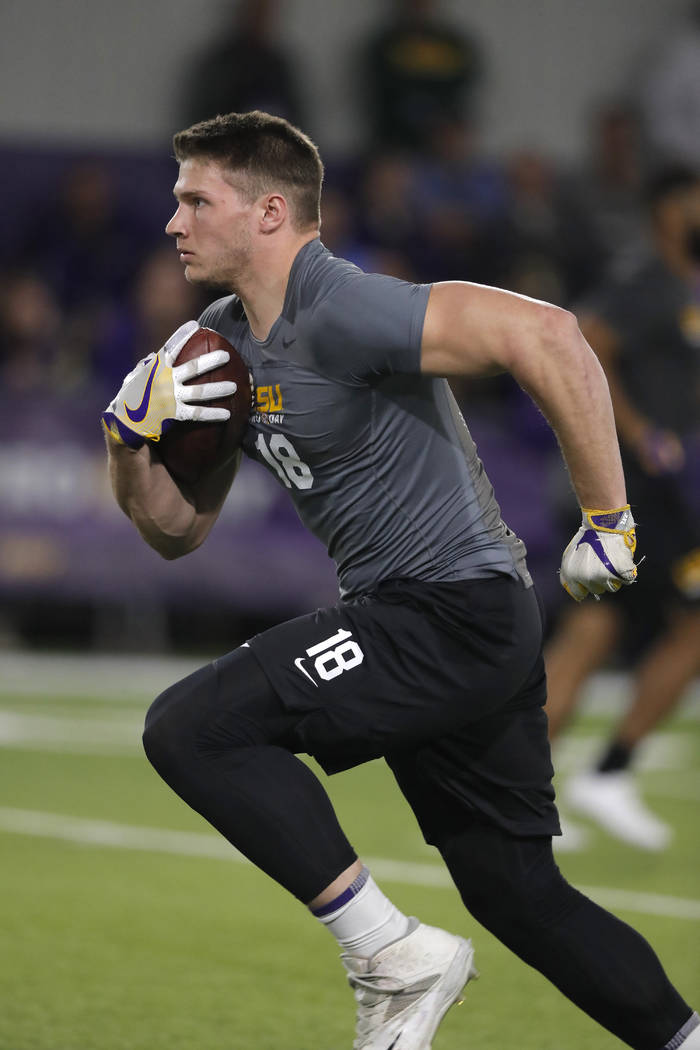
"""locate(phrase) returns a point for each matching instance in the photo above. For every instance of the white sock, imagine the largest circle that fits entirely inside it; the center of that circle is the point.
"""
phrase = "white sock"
(692, 1039)
(362, 919)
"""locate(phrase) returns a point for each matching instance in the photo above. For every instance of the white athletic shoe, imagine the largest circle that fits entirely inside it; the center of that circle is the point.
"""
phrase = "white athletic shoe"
(406, 989)
(613, 801)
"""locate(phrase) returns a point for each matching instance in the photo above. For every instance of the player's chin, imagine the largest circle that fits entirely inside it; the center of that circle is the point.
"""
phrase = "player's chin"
(195, 274)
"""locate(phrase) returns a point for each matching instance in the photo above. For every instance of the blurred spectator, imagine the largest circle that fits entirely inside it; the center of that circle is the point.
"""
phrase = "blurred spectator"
(86, 244)
(645, 328)
(339, 227)
(544, 224)
(387, 218)
(419, 68)
(339, 234)
(30, 334)
(607, 191)
(245, 68)
(670, 94)
(462, 202)
(159, 302)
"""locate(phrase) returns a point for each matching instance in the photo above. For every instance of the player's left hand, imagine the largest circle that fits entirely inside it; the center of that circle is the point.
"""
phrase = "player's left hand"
(600, 557)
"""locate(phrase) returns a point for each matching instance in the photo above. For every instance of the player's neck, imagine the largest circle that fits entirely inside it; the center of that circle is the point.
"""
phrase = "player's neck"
(263, 290)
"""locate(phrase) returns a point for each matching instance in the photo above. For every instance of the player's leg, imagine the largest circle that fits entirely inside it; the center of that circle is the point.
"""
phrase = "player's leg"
(209, 737)
(220, 739)
(608, 793)
(514, 888)
(584, 638)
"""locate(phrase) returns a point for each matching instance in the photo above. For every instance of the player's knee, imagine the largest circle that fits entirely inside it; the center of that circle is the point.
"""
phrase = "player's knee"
(224, 706)
(171, 721)
(512, 892)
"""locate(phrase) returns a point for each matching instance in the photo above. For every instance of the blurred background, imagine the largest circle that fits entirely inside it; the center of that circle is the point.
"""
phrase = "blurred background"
(492, 141)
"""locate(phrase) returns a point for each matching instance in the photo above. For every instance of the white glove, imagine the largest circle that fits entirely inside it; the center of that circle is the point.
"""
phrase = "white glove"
(600, 557)
(153, 395)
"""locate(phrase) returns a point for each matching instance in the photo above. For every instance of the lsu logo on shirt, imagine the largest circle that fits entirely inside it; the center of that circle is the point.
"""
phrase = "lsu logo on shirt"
(268, 406)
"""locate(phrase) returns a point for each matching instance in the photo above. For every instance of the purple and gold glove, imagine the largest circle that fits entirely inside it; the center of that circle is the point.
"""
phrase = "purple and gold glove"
(600, 557)
(153, 395)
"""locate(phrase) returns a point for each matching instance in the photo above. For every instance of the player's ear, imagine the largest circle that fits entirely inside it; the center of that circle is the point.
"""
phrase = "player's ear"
(274, 212)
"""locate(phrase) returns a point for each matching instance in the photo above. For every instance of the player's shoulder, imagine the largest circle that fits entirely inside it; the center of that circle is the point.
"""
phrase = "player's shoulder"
(227, 309)
(316, 275)
(353, 324)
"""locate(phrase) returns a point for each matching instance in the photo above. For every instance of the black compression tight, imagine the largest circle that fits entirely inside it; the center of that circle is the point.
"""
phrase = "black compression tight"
(228, 757)
(215, 751)
(515, 889)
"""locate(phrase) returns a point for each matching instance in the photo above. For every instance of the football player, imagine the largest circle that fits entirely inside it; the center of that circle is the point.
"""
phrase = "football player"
(432, 658)
(645, 327)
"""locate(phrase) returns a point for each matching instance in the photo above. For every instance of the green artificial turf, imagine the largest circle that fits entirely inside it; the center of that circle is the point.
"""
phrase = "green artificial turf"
(124, 949)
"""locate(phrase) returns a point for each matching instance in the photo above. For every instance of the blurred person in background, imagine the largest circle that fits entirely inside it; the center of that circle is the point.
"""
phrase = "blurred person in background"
(543, 224)
(386, 215)
(461, 200)
(159, 301)
(246, 67)
(86, 244)
(32, 328)
(418, 68)
(645, 328)
(607, 190)
(339, 232)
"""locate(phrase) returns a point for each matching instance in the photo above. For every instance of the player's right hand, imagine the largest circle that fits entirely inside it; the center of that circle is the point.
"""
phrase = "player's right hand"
(600, 557)
(153, 395)
(659, 451)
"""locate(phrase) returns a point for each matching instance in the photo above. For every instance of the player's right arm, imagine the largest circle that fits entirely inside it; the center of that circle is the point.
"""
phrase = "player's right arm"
(173, 518)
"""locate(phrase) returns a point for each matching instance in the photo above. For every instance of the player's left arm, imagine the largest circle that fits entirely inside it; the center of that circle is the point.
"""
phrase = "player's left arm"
(472, 330)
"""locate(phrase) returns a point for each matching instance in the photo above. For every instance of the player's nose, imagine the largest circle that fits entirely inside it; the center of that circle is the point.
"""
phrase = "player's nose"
(175, 227)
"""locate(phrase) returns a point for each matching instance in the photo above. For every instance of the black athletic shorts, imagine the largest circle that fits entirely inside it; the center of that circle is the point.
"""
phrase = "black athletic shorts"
(446, 681)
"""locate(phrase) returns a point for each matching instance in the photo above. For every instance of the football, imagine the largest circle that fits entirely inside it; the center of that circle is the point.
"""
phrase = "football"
(192, 450)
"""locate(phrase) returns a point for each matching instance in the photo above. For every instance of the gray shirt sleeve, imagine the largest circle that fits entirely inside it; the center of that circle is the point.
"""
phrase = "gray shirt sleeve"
(368, 325)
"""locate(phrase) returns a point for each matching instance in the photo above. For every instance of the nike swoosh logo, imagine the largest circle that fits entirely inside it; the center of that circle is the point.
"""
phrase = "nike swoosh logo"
(592, 539)
(299, 664)
(138, 414)
(395, 1041)
(286, 343)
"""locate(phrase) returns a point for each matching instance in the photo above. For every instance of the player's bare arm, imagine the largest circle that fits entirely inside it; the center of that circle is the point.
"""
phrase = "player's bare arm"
(173, 515)
(473, 330)
(173, 518)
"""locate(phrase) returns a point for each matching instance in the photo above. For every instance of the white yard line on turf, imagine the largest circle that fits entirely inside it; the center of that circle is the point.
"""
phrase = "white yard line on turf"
(200, 844)
(132, 676)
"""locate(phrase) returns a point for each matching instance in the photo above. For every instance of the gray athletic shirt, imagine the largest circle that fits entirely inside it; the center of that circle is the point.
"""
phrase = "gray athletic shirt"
(376, 456)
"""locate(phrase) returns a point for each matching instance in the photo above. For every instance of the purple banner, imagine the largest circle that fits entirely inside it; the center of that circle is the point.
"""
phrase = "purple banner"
(62, 534)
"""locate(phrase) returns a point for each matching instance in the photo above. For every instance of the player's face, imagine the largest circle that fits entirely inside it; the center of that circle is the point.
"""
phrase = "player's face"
(213, 225)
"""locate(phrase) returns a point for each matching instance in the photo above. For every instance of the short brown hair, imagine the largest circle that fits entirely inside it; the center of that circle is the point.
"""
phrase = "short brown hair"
(265, 150)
